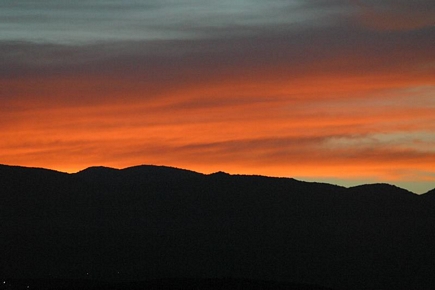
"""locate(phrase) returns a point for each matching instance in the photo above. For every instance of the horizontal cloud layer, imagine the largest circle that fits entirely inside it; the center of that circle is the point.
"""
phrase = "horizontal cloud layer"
(313, 89)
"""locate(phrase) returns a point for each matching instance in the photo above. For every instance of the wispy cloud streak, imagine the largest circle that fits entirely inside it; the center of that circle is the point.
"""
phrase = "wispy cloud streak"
(288, 88)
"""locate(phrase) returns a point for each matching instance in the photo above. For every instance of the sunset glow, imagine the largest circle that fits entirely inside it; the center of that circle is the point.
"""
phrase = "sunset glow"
(341, 92)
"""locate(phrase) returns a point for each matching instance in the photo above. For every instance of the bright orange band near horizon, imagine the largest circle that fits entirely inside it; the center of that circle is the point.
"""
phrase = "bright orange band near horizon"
(342, 105)
(312, 127)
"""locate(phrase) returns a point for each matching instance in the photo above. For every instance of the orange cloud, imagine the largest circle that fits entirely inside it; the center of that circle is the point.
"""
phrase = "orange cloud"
(288, 107)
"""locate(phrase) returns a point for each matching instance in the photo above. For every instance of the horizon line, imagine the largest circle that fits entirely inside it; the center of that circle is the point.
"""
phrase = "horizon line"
(211, 173)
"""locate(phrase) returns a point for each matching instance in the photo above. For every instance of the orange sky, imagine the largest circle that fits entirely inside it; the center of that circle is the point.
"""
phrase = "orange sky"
(345, 102)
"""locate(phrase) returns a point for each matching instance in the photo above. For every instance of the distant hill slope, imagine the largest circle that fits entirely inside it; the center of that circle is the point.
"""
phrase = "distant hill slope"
(151, 222)
(142, 173)
(431, 192)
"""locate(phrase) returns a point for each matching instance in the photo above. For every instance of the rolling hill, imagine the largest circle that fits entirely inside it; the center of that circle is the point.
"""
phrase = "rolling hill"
(156, 223)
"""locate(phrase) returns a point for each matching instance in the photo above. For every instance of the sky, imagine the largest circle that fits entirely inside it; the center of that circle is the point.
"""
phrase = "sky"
(321, 90)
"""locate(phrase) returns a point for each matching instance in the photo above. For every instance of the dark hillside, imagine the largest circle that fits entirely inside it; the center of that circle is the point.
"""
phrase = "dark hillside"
(147, 223)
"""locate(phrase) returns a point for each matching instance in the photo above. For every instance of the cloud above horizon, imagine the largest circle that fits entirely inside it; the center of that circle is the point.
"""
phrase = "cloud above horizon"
(308, 89)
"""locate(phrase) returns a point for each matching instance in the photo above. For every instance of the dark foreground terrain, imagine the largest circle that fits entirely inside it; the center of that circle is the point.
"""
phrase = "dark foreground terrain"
(178, 229)
(157, 284)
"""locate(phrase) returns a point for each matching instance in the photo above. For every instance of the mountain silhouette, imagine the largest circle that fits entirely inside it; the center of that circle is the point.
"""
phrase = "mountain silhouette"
(159, 224)
(430, 192)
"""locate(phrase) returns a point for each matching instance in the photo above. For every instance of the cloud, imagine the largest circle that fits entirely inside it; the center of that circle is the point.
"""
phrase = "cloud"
(293, 98)
(90, 21)
(282, 60)
(396, 14)
(84, 22)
